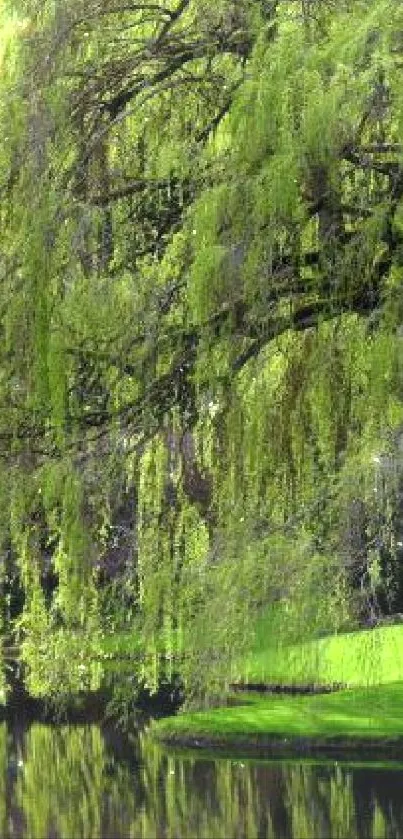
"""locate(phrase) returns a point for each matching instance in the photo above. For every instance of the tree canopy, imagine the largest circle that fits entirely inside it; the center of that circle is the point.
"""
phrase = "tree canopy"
(200, 304)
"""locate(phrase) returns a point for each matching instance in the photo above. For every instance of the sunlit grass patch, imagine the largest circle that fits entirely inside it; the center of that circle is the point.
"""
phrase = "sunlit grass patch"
(367, 657)
(375, 712)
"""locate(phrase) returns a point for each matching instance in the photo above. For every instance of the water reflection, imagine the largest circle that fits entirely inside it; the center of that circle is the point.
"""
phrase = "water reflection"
(83, 781)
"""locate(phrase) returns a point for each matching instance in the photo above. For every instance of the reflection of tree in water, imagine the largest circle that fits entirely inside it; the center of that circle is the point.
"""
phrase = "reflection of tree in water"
(83, 781)
(378, 799)
(3, 779)
(70, 786)
(187, 796)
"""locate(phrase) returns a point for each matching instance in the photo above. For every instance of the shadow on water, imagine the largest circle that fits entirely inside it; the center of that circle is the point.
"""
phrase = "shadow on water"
(64, 781)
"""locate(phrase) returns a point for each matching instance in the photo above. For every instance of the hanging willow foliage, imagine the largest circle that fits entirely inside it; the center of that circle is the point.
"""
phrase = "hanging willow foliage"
(200, 304)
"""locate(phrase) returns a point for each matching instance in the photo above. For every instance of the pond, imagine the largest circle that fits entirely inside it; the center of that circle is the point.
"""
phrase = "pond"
(73, 781)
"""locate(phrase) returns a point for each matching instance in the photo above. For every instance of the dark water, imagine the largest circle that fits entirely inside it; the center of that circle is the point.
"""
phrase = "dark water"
(85, 781)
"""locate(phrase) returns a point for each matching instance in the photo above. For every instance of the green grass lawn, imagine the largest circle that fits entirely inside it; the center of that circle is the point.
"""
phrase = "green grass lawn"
(363, 658)
(369, 662)
(366, 657)
(370, 713)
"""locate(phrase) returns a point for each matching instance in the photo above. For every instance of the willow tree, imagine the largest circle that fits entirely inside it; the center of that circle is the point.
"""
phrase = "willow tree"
(200, 302)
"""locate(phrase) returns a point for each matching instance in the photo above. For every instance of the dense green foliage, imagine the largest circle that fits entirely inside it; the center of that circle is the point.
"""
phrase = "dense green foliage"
(200, 305)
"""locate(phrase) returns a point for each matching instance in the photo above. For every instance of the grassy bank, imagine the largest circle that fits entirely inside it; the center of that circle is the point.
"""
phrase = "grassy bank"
(367, 714)
(357, 718)
(366, 657)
